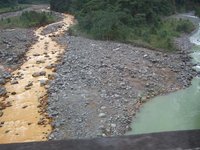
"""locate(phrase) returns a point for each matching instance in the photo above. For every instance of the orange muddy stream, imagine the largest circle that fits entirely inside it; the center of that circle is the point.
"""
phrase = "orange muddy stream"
(24, 119)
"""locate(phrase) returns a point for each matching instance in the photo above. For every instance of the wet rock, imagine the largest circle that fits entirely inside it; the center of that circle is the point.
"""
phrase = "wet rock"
(42, 121)
(43, 82)
(49, 67)
(27, 88)
(14, 82)
(43, 73)
(51, 76)
(1, 113)
(29, 84)
(36, 74)
(40, 61)
(54, 70)
(13, 93)
(36, 54)
(2, 81)
(3, 91)
(7, 75)
(24, 106)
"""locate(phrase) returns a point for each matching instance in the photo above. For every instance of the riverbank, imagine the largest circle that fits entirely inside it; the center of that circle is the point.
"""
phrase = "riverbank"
(101, 85)
(27, 88)
(175, 111)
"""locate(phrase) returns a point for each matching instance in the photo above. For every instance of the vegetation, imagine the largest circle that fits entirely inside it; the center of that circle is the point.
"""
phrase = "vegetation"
(140, 21)
(28, 19)
(33, 1)
(7, 3)
(12, 8)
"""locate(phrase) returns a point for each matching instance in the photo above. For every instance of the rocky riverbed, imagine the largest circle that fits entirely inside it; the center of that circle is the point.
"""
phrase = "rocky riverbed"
(100, 85)
(14, 44)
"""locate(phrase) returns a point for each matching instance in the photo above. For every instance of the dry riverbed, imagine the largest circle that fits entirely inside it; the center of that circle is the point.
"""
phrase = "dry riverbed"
(100, 85)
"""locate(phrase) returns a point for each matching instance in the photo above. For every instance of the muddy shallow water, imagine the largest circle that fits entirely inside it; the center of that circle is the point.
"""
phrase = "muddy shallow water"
(24, 118)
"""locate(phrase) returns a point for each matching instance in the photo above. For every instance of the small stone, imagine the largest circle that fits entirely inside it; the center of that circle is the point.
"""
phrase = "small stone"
(24, 106)
(14, 82)
(2, 81)
(47, 56)
(13, 93)
(54, 70)
(103, 107)
(43, 82)
(40, 61)
(7, 75)
(113, 125)
(41, 122)
(46, 86)
(1, 107)
(51, 76)
(49, 67)
(102, 115)
(102, 127)
(27, 88)
(1, 113)
(36, 74)
(43, 73)
(7, 131)
(3, 91)
(8, 104)
(29, 84)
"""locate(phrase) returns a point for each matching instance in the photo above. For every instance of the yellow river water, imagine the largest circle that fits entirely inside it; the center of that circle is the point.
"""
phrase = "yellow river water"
(25, 119)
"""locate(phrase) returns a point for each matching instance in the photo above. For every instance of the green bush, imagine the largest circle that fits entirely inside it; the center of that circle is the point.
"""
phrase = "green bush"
(28, 19)
(185, 26)
(128, 20)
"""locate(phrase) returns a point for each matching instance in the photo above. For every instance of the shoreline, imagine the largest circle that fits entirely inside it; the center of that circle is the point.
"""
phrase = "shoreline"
(66, 126)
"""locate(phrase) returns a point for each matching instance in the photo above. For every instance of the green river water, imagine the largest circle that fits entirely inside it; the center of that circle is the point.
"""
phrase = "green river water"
(176, 111)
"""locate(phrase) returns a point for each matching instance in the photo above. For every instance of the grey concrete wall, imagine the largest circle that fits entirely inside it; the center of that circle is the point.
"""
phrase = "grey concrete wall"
(161, 141)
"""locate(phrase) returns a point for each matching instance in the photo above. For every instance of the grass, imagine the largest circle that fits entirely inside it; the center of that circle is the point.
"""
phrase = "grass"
(160, 37)
(169, 30)
(28, 19)
(13, 8)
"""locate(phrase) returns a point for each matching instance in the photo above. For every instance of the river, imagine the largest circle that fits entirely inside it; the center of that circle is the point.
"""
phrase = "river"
(176, 111)
(25, 119)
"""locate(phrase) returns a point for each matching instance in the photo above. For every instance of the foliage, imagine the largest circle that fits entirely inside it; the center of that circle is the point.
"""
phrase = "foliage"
(28, 19)
(6, 3)
(128, 20)
(13, 8)
(33, 1)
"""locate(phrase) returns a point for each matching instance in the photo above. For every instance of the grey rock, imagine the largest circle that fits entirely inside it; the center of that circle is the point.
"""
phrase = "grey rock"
(2, 81)
(102, 115)
(3, 91)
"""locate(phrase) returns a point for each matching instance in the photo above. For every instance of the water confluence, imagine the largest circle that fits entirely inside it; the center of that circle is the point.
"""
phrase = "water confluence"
(176, 111)
(25, 119)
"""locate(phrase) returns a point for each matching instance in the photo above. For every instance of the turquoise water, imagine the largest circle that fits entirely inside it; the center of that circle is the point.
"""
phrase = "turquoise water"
(175, 111)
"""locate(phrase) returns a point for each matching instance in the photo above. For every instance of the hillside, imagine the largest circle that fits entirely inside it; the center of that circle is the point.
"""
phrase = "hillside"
(138, 22)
